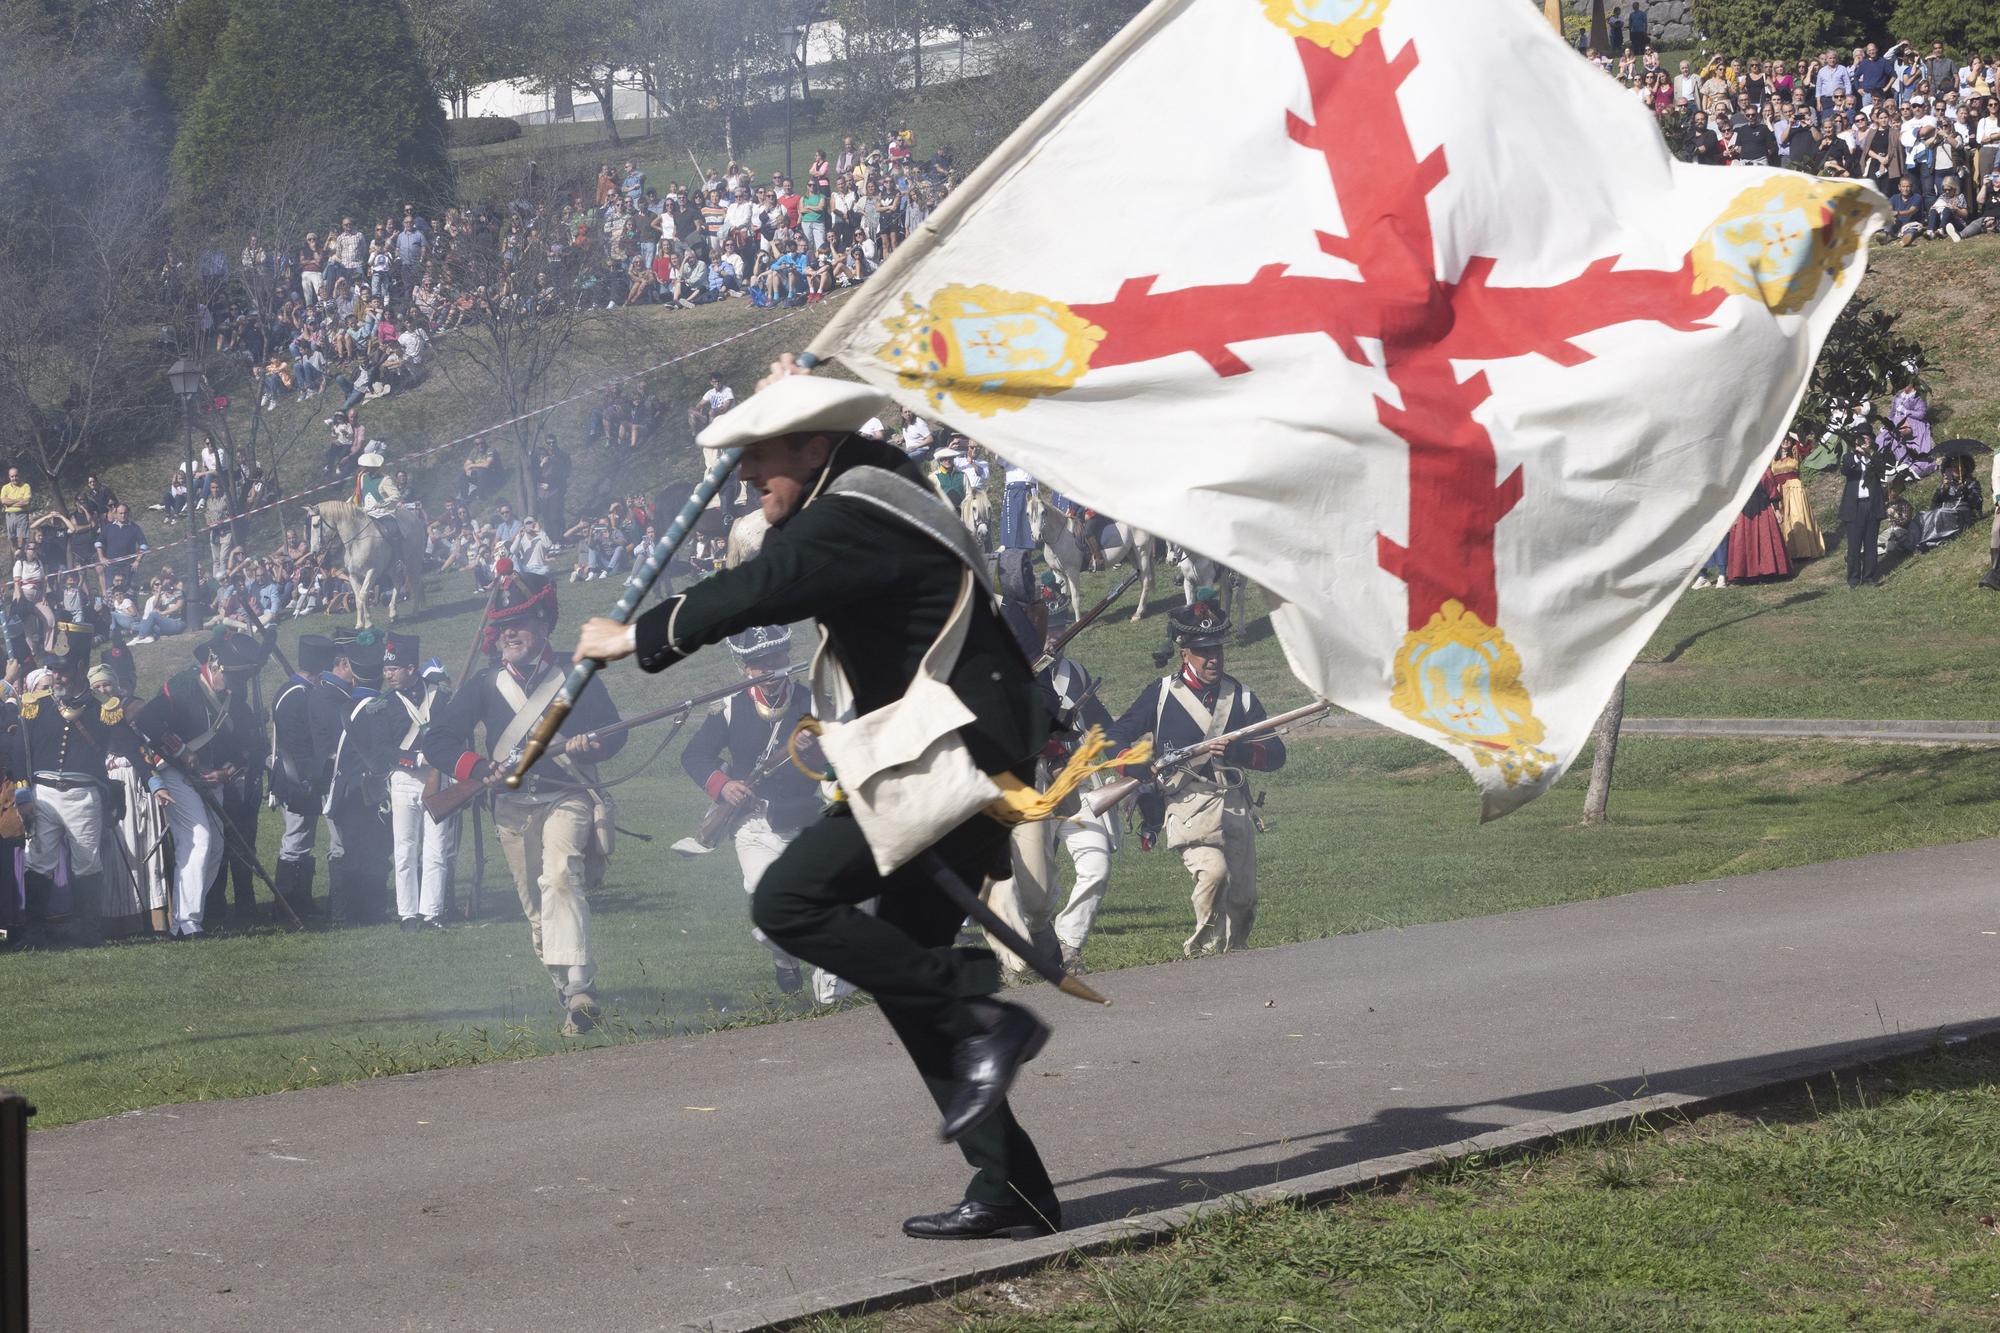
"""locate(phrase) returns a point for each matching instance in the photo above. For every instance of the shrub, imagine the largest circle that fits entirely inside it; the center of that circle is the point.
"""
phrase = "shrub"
(478, 131)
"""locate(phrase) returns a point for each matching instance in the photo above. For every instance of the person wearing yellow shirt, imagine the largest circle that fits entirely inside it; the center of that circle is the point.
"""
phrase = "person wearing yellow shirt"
(15, 498)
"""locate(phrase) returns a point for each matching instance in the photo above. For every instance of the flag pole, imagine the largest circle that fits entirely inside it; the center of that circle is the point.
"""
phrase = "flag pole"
(1014, 152)
(636, 587)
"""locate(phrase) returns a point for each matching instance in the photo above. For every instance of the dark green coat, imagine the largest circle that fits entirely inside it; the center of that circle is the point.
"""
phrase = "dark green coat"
(882, 590)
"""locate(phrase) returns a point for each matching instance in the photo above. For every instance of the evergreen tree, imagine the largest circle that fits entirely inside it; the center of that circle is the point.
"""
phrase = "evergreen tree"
(290, 79)
(1966, 27)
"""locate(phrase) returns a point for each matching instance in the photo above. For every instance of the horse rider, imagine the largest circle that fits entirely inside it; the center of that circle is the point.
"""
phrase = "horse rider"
(294, 766)
(183, 726)
(375, 492)
(241, 796)
(860, 543)
(1208, 819)
(744, 740)
(387, 736)
(60, 747)
(356, 870)
(549, 825)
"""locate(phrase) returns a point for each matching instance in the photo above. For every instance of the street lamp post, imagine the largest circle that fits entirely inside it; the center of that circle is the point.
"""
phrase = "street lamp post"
(795, 72)
(185, 378)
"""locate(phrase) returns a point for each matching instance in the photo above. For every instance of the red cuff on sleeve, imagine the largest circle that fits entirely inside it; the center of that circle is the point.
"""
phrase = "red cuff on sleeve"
(462, 770)
(1256, 759)
(716, 782)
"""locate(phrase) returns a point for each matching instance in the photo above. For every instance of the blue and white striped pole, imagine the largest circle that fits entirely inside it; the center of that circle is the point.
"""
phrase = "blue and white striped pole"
(636, 587)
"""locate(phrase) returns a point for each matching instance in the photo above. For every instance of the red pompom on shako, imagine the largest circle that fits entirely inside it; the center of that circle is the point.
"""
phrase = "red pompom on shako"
(520, 598)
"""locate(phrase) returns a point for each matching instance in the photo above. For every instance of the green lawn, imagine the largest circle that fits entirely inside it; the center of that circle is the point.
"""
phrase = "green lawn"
(1857, 1204)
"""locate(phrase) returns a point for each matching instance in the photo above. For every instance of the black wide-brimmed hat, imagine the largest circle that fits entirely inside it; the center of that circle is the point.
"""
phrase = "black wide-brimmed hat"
(1199, 625)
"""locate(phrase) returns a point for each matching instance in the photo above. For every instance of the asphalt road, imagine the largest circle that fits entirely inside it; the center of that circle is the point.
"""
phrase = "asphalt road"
(646, 1186)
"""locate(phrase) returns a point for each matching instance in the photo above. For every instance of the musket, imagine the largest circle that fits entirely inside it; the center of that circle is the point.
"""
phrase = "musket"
(445, 802)
(636, 587)
(1109, 795)
(244, 847)
(257, 623)
(1054, 650)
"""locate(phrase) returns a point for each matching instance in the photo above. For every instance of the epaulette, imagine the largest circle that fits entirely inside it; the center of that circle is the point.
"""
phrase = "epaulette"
(30, 708)
(112, 712)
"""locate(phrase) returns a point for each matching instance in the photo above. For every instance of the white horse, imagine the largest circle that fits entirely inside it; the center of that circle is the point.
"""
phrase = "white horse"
(1127, 545)
(1061, 551)
(367, 552)
(976, 512)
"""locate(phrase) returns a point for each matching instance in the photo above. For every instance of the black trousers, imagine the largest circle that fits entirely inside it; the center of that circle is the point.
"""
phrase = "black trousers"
(1861, 538)
(807, 902)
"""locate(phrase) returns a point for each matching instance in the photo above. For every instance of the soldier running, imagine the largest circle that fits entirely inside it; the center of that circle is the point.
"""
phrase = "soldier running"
(548, 826)
(744, 741)
(1208, 819)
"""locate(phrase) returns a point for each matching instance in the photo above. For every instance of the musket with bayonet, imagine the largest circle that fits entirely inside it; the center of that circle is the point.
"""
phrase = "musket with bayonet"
(1083, 622)
(445, 802)
(1112, 793)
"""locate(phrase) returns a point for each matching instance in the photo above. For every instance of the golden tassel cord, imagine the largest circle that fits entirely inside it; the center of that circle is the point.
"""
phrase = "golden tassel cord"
(1021, 804)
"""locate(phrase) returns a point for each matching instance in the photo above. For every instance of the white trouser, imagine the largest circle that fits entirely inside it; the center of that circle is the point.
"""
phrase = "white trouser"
(1090, 841)
(197, 848)
(424, 850)
(544, 842)
(757, 846)
(75, 817)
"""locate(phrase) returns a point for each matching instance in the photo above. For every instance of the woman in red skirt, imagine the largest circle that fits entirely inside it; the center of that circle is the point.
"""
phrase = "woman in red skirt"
(1757, 543)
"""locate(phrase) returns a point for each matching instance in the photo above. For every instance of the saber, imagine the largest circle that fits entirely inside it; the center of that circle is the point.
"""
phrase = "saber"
(642, 581)
(969, 902)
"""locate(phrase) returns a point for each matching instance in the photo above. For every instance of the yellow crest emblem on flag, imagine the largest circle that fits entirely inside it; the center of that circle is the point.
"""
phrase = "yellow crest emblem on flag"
(1781, 239)
(986, 350)
(1459, 675)
(1337, 25)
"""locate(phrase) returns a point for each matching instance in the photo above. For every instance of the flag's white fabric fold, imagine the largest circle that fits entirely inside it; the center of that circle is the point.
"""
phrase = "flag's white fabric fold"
(1402, 310)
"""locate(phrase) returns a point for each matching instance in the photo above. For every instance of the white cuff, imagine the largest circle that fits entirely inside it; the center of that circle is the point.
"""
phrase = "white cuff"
(631, 639)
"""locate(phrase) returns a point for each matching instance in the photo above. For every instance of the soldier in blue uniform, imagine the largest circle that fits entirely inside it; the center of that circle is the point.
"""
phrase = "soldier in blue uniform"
(745, 734)
(357, 819)
(1208, 819)
(242, 795)
(385, 740)
(548, 826)
(295, 769)
(60, 747)
(183, 726)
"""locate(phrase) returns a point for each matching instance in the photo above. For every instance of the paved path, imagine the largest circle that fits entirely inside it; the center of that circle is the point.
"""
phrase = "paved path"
(647, 1186)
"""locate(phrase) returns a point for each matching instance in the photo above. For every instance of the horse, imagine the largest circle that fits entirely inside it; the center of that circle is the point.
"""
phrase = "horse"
(1127, 545)
(976, 512)
(1061, 551)
(368, 553)
(1198, 572)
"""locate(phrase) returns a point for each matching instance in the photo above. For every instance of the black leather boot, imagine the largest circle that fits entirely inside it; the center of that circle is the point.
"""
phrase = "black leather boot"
(1992, 579)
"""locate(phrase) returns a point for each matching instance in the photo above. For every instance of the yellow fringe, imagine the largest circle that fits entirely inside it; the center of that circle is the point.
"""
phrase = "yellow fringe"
(1020, 804)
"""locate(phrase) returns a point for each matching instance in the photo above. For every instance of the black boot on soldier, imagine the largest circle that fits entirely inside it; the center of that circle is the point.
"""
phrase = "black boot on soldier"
(984, 1065)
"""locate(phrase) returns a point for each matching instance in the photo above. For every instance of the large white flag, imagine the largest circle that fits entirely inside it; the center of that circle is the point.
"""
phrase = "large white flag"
(1402, 310)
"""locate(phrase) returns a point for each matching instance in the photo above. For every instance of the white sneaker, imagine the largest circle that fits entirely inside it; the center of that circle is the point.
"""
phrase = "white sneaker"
(1951, 230)
(143, 638)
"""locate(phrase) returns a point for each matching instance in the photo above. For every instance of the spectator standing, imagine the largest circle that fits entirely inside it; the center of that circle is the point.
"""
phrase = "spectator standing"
(1640, 27)
(552, 471)
(411, 245)
(120, 542)
(1616, 23)
(1940, 69)
(15, 498)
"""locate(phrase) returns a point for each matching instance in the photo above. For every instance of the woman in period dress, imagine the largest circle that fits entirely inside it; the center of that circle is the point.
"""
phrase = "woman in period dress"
(1803, 540)
(1756, 545)
(1954, 506)
(1906, 438)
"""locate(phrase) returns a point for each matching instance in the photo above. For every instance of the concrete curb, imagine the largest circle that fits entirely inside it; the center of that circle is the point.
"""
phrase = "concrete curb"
(1921, 731)
(931, 1281)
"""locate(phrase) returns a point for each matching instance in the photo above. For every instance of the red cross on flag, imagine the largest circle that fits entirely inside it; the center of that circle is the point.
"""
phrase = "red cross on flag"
(1402, 310)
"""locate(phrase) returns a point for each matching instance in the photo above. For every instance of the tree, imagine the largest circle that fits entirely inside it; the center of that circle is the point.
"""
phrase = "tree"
(1791, 28)
(348, 74)
(516, 351)
(1597, 800)
(1864, 358)
(1966, 27)
(182, 53)
(81, 170)
(465, 43)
